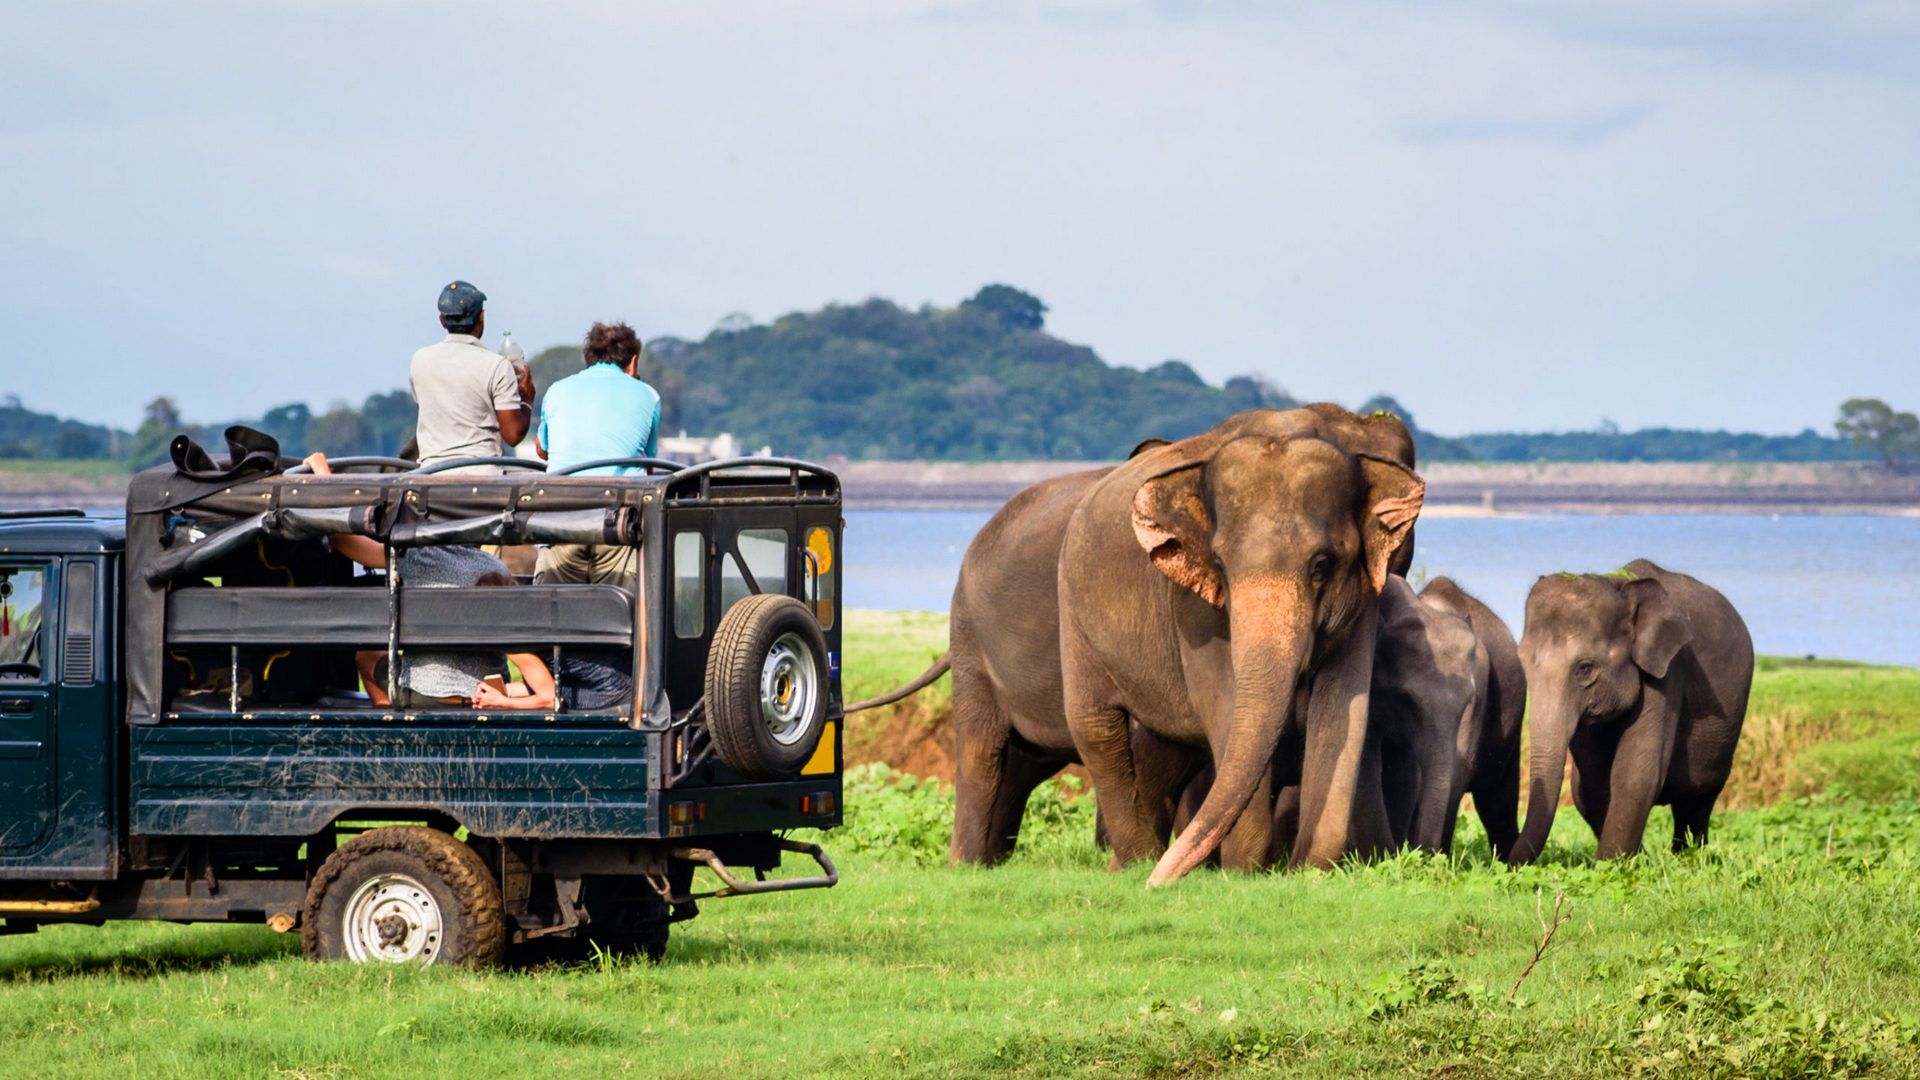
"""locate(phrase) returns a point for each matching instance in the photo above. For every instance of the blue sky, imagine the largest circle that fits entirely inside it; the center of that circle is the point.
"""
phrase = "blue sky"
(1509, 215)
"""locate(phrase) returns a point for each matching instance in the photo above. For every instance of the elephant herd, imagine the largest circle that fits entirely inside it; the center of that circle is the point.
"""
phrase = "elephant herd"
(1219, 629)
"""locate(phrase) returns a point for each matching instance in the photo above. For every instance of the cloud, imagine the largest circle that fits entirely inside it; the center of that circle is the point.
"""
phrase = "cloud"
(1578, 129)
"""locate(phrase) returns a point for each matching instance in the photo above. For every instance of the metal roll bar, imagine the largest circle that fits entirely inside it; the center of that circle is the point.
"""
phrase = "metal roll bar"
(648, 463)
(789, 464)
(530, 464)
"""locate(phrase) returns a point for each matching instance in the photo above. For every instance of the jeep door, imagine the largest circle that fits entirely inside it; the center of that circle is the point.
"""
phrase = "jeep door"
(27, 682)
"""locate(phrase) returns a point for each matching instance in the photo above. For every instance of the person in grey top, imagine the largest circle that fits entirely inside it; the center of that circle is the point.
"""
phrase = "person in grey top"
(444, 676)
(473, 401)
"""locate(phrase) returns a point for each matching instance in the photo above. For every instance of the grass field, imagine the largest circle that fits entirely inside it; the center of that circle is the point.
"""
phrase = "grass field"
(1786, 948)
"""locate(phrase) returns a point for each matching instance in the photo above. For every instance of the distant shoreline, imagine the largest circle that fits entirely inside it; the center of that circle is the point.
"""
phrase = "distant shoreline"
(1454, 489)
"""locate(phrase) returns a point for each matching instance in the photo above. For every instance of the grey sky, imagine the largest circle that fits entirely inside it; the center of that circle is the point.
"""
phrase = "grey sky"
(1509, 215)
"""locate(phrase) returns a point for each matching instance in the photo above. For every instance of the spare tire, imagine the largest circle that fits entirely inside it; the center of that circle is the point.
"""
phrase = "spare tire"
(767, 687)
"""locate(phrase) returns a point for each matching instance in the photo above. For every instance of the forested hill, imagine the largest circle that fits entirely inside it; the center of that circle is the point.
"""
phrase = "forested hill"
(981, 380)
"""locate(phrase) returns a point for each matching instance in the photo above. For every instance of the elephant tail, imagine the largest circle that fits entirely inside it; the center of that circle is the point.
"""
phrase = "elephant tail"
(926, 679)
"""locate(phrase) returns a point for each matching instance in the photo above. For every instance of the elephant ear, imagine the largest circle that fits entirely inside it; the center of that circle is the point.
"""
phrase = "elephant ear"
(1171, 522)
(1393, 497)
(1660, 628)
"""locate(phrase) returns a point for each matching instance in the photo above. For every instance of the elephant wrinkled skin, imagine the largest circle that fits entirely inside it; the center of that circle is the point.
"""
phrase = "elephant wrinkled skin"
(1642, 677)
(1267, 542)
(1009, 719)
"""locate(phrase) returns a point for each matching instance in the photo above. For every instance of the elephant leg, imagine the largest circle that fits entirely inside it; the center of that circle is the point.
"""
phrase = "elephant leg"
(1163, 769)
(1286, 822)
(1496, 799)
(1249, 844)
(1021, 771)
(1592, 769)
(1104, 738)
(1638, 773)
(980, 737)
(1690, 818)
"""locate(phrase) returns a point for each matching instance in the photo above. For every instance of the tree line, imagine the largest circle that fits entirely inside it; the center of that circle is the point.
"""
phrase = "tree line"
(981, 380)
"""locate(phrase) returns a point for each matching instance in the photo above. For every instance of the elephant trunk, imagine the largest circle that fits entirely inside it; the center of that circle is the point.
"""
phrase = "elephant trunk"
(1550, 736)
(1271, 628)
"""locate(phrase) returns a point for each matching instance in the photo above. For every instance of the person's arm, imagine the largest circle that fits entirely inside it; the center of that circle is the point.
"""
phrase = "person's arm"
(364, 550)
(513, 401)
(653, 433)
(540, 437)
(533, 672)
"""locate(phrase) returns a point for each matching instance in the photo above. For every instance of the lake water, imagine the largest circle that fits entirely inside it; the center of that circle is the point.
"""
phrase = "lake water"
(1823, 586)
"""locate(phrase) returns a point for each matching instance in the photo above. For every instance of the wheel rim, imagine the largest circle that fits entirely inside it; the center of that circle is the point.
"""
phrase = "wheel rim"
(392, 918)
(789, 686)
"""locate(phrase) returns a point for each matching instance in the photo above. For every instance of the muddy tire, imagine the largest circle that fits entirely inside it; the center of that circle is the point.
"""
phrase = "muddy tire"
(767, 687)
(405, 895)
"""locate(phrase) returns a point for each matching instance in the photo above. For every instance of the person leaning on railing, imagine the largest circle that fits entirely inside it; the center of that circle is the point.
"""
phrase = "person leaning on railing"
(444, 676)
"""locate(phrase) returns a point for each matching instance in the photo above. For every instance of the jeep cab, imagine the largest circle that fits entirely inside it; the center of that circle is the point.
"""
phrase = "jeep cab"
(185, 734)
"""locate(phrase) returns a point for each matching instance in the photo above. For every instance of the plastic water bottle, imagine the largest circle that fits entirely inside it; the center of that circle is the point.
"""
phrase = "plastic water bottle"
(511, 349)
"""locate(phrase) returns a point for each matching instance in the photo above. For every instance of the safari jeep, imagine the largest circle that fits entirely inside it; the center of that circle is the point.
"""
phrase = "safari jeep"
(184, 733)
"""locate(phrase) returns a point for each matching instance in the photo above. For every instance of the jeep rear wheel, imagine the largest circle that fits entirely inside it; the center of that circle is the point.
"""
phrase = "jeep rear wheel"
(404, 895)
(767, 686)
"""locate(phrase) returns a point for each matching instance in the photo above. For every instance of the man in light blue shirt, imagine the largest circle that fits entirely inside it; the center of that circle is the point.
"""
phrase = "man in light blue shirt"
(606, 411)
(603, 412)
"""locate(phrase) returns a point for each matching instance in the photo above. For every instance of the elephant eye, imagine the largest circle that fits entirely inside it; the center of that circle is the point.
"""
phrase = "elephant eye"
(1583, 671)
(1320, 569)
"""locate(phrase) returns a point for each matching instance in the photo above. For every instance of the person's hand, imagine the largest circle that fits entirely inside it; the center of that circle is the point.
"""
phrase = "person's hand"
(525, 375)
(486, 697)
(317, 461)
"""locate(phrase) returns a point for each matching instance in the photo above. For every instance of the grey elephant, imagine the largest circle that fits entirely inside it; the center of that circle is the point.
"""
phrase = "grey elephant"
(1009, 715)
(1447, 700)
(1493, 764)
(1252, 614)
(1428, 671)
(1641, 676)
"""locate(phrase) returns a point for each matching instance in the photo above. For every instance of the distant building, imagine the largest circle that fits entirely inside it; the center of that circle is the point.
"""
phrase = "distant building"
(694, 449)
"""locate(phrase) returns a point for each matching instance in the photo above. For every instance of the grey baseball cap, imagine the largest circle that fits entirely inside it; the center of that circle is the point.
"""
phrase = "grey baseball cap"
(461, 300)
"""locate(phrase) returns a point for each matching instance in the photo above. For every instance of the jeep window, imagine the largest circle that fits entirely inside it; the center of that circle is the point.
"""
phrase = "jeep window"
(23, 648)
(765, 552)
(689, 584)
(820, 554)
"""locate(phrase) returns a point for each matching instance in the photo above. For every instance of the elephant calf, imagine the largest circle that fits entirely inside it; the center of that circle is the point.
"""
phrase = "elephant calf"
(1493, 763)
(1642, 675)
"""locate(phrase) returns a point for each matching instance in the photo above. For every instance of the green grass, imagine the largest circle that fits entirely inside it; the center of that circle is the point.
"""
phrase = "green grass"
(1785, 948)
(1721, 962)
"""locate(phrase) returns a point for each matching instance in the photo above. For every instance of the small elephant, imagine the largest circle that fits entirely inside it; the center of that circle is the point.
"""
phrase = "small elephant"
(1428, 670)
(1493, 766)
(1642, 675)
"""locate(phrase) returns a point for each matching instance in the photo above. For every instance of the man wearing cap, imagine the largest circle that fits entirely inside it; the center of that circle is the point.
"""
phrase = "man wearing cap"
(473, 401)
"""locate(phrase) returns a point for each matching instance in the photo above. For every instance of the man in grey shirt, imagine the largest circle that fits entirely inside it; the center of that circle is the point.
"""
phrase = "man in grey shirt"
(473, 401)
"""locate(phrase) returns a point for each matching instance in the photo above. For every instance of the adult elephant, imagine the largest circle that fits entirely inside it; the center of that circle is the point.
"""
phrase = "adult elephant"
(1493, 764)
(1266, 544)
(1009, 720)
(1642, 676)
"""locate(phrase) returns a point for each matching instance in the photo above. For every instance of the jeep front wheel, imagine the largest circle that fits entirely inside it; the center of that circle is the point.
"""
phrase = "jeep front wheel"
(404, 895)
